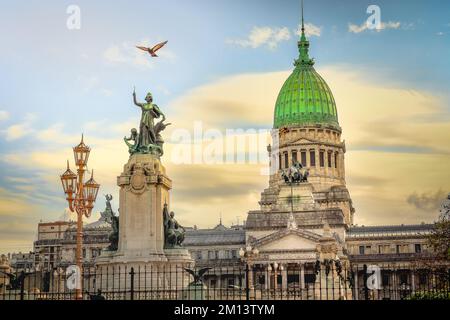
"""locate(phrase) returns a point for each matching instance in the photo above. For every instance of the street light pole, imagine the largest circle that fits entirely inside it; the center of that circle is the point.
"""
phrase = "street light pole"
(247, 255)
(81, 197)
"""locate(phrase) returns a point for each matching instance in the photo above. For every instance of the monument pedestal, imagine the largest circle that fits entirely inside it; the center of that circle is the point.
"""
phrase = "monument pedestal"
(141, 264)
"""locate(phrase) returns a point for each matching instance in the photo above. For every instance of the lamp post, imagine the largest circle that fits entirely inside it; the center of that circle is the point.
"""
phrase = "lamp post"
(247, 255)
(81, 197)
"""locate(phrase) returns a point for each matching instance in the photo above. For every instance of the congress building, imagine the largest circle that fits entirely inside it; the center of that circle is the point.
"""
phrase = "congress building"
(305, 215)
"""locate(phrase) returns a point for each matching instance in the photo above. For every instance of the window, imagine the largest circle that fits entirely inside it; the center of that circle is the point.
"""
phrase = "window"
(84, 253)
(402, 248)
(286, 160)
(364, 249)
(322, 158)
(310, 278)
(403, 278)
(233, 254)
(216, 254)
(336, 160)
(303, 154)
(384, 248)
(279, 161)
(329, 159)
(294, 156)
(385, 277)
(423, 278)
(312, 158)
(210, 255)
(418, 248)
(198, 255)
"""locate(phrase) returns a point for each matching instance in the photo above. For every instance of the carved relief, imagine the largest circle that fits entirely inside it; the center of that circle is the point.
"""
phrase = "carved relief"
(138, 180)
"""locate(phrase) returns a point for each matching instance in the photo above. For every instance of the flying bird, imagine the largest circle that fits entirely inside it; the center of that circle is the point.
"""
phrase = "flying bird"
(152, 50)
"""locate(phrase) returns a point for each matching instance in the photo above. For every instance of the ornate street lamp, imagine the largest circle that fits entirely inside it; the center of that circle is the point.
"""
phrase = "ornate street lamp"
(69, 180)
(247, 255)
(90, 192)
(80, 196)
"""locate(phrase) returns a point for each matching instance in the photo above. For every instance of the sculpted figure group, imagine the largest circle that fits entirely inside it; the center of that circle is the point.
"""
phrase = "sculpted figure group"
(295, 173)
(148, 139)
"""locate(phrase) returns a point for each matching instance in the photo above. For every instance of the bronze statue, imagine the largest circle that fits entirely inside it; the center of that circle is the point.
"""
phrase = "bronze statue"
(295, 173)
(114, 235)
(173, 231)
(149, 139)
(198, 276)
(133, 137)
(160, 126)
(109, 216)
(15, 280)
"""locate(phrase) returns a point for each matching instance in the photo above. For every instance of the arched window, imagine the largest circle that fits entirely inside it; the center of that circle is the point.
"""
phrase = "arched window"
(294, 156)
(336, 156)
(303, 156)
(322, 158)
(312, 158)
(329, 159)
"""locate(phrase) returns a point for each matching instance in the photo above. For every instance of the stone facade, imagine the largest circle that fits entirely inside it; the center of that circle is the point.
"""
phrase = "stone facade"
(48, 246)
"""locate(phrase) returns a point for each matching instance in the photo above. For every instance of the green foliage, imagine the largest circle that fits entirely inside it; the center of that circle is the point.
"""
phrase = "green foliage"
(439, 240)
(430, 295)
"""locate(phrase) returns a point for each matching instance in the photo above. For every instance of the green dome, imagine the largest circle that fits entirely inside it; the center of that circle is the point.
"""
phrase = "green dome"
(305, 98)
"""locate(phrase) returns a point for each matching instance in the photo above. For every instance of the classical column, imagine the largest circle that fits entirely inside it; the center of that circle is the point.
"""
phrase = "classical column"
(413, 282)
(219, 282)
(275, 278)
(341, 162)
(308, 161)
(302, 276)
(356, 288)
(284, 277)
(394, 286)
(250, 276)
(267, 277)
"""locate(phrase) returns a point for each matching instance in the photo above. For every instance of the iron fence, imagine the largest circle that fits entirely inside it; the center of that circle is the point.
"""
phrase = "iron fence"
(315, 281)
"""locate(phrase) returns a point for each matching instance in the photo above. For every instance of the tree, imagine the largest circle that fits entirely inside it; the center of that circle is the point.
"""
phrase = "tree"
(439, 239)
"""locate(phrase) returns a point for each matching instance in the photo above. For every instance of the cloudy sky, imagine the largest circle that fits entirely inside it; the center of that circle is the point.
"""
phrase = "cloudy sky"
(221, 70)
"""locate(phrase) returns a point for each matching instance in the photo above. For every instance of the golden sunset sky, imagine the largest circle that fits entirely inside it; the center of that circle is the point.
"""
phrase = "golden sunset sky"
(223, 67)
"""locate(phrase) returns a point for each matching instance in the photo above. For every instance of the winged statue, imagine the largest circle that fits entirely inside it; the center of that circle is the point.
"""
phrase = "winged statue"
(198, 276)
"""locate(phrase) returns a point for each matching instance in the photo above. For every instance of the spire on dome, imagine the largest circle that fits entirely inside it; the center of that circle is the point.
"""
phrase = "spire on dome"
(303, 47)
(303, 24)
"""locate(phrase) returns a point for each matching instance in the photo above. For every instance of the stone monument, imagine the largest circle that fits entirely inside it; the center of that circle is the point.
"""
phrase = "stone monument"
(145, 237)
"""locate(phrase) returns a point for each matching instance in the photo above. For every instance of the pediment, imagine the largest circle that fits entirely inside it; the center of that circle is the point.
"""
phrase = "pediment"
(288, 239)
(303, 141)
